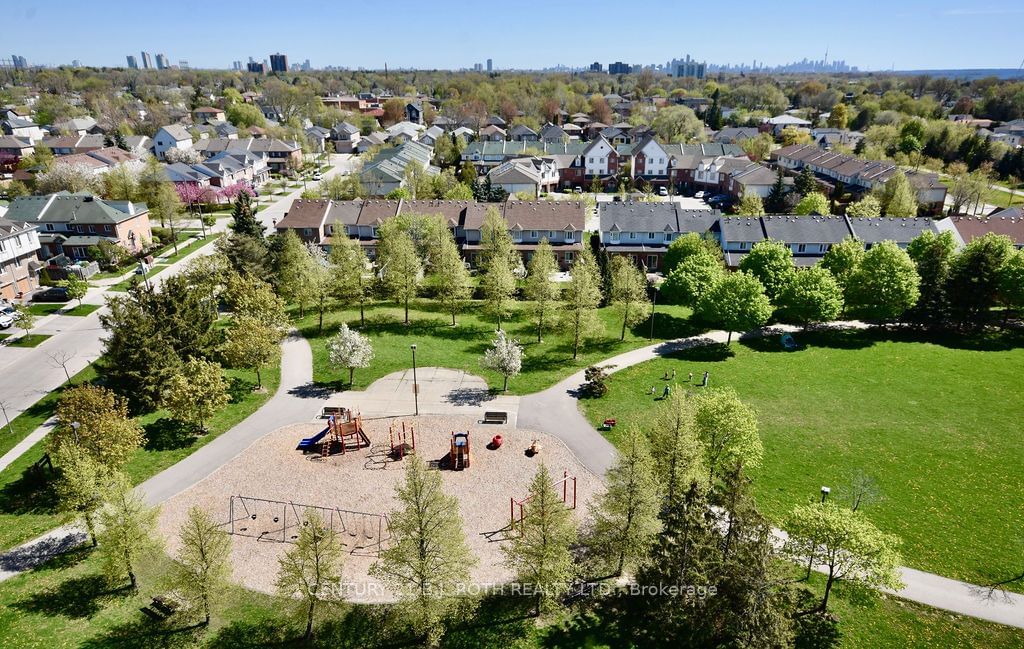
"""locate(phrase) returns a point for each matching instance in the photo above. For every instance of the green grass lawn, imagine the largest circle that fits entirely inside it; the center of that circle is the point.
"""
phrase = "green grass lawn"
(78, 310)
(67, 603)
(195, 244)
(936, 424)
(122, 287)
(28, 340)
(462, 347)
(27, 506)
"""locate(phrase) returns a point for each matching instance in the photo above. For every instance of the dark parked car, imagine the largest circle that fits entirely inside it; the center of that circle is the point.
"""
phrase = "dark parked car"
(54, 294)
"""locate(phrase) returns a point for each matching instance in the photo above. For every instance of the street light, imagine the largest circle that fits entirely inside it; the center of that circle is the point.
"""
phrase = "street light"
(825, 491)
(415, 385)
(74, 428)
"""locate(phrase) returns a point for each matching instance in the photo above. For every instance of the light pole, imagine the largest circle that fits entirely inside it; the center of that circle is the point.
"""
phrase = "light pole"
(654, 305)
(74, 428)
(825, 491)
(415, 385)
(3, 406)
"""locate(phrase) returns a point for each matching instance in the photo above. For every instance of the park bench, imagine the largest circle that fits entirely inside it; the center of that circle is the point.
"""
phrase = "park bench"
(495, 417)
(160, 608)
(333, 411)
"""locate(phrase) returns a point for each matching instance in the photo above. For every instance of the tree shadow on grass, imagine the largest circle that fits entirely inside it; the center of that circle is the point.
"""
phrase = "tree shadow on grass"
(29, 494)
(166, 434)
(144, 633)
(239, 389)
(497, 621)
(76, 598)
(702, 350)
(669, 327)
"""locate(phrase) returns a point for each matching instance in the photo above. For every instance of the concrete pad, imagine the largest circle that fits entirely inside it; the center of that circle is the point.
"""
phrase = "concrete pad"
(442, 391)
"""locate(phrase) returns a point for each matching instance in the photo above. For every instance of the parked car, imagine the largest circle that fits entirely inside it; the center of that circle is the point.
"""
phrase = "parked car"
(53, 294)
(718, 199)
(577, 190)
(317, 176)
(6, 319)
(663, 191)
(700, 194)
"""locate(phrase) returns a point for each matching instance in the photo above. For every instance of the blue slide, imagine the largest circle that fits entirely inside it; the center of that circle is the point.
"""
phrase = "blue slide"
(310, 442)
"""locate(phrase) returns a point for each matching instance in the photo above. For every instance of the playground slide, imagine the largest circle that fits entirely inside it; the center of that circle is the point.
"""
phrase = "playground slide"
(310, 442)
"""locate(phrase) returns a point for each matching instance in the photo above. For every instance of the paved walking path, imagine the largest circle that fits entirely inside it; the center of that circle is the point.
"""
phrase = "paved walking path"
(554, 411)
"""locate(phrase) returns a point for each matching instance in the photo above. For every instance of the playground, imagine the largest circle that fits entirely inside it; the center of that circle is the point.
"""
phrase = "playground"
(260, 495)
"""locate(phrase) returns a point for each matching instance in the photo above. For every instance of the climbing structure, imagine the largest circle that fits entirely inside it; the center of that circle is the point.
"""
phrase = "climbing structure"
(344, 435)
(403, 442)
(458, 457)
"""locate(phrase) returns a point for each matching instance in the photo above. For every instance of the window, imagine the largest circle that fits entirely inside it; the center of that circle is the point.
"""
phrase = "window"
(652, 262)
(373, 232)
(568, 257)
(517, 235)
(568, 237)
(632, 235)
(307, 232)
(533, 234)
(601, 160)
(92, 229)
(650, 235)
(744, 245)
(615, 237)
(106, 228)
(591, 160)
(49, 227)
(801, 247)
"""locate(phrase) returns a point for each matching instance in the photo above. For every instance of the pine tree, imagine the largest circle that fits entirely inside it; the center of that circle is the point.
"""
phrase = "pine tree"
(540, 290)
(245, 221)
(626, 516)
(540, 556)
(203, 568)
(311, 569)
(428, 561)
(805, 182)
(581, 299)
(775, 203)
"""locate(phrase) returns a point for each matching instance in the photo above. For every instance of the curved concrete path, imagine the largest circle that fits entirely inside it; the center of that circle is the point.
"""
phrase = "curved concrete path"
(556, 411)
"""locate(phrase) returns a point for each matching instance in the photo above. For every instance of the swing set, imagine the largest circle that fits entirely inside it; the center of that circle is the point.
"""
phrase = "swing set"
(563, 483)
(278, 521)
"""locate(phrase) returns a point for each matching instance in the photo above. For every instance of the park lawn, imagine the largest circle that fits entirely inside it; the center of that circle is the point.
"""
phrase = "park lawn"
(48, 309)
(28, 340)
(27, 507)
(122, 287)
(936, 424)
(67, 603)
(195, 244)
(462, 347)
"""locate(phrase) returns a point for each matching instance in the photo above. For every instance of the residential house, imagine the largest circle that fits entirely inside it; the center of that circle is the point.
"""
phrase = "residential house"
(553, 133)
(403, 132)
(172, 136)
(641, 231)
(386, 172)
(1008, 222)
(345, 137)
(898, 230)
(19, 261)
(829, 138)
(430, 136)
(364, 144)
(279, 155)
(493, 133)
(207, 114)
(318, 136)
(1011, 132)
(775, 125)
(12, 150)
(71, 224)
(465, 133)
(414, 112)
(485, 155)
(20, 126)
(861, 175)
(66, 145)
(737, 235)
(735, 134)
(808, 237)
(649, 162)
(532, 176)
(77, 126)
(522, 133)
(307, 218)
(560, 222)
(753, 178)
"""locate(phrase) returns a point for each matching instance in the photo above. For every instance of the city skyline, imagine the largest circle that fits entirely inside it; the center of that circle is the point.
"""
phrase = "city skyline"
(911, 31)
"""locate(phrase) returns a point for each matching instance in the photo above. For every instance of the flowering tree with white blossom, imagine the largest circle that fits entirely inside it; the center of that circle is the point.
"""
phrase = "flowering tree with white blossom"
(505, 357)
(350, 349)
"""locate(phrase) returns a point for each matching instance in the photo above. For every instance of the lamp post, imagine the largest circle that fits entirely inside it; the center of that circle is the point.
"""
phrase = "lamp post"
(74, 428)
(654, 305)
(415, 385)
(825, 491)
(3, 406)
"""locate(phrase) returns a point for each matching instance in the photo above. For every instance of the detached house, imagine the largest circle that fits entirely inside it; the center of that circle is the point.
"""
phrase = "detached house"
(172, 136)
(19, 262)
(531, 175)
(71, 224)
(521, 133)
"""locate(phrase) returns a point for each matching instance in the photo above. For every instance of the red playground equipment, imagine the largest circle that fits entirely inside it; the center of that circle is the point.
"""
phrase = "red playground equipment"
(402, 442)
(563, 483)
(339, 429)
(458, 457)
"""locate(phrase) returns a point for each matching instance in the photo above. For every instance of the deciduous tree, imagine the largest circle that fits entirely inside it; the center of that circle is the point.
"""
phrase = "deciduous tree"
(505, 356)
(400, 266)
(540, 290)
(885, 284)
(581, 299)
(311, 569)
(350, 267)
(974, 278)
(82, 485)
(95, 420)
(771, 262)
(629, 293)
(202, 571)
(736, 303)
(448, 275)
(727, 430)
(811, 295)
(197, 392)
(128, 531)
(750, 205)
(350, 349)
(812, 203)
(867, 207)
(898, 197)
(253, 343)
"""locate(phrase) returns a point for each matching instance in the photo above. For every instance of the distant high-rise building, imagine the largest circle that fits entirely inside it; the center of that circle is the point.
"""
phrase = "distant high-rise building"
(147, 61)
(258, 68)
(619, 68)
(478, 67)
(490, 65)
(75, 63)
(20, 62)
(690, 68)
(306, 66)
(237, 66)
(596, 67)
(278, 63)
(161, 62)
(183, 64)
(133, 63)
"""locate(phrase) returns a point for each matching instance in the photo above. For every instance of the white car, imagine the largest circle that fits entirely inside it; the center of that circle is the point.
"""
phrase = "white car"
(663, 192)
(317, 176)
(7, 314)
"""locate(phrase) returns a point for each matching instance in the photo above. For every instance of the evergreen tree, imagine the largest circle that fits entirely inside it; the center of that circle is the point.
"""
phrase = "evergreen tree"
(775, 203)
(540, 290)
(581, 299)
(626, 515)
(247, 255)
(245, 221)
(540, 556)
(806, 183)
(428, 561)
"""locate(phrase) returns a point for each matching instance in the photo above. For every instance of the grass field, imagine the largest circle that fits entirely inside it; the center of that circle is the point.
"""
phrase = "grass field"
(463, 346)
(27, 506)
(67, 603)
(27, 340)
(77, 310)
(936, 424)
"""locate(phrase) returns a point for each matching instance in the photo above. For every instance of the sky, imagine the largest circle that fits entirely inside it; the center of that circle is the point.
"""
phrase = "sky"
(445, 34)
